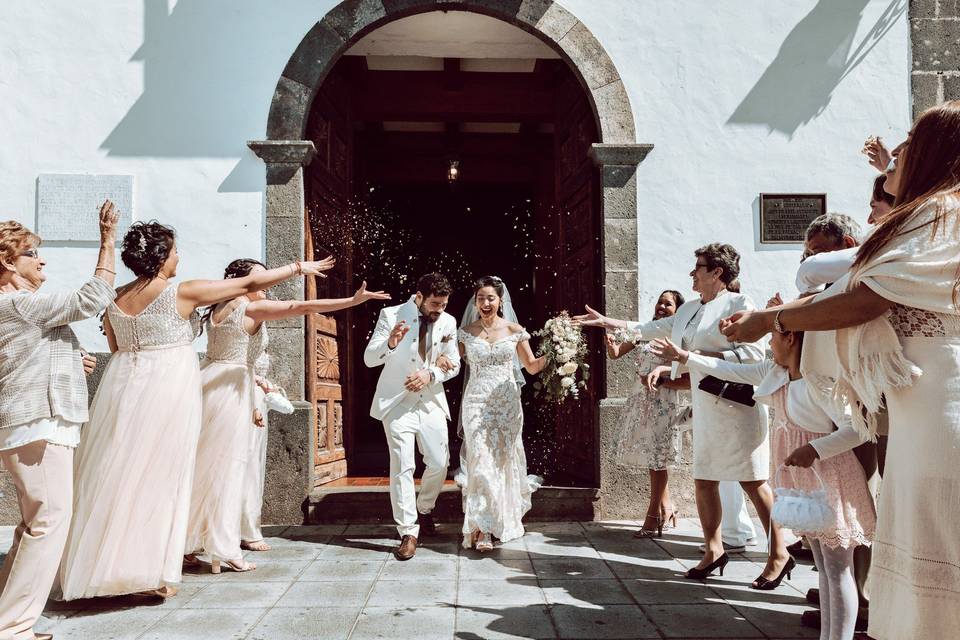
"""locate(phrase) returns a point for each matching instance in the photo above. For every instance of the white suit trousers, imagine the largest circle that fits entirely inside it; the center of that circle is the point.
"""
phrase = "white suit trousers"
(426, 428)
(736, 527)
(43, 475)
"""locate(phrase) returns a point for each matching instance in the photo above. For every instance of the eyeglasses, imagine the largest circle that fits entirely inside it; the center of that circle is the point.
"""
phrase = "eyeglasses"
(30, 253)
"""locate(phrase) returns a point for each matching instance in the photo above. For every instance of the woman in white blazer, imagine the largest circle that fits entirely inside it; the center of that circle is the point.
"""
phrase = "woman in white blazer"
(730, 440)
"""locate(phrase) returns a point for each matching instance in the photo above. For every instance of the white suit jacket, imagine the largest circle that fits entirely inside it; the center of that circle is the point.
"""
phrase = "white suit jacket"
(709, 336)
(405, 359)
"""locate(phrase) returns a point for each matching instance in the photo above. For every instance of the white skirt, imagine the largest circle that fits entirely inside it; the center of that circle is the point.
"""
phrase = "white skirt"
(915, 573)
(133, 473)
(222, 455)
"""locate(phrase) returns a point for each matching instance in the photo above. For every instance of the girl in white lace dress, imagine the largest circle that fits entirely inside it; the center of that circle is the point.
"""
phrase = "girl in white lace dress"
(237, 339)
(650, 431)
(134, 466)
(497, 492)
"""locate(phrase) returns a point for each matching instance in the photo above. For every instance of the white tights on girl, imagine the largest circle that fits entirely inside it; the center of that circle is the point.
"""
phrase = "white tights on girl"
(838, 591)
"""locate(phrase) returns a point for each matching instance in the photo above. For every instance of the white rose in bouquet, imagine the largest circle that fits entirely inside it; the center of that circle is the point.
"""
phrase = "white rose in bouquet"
(566, 382)
(563, 357)
(569, 368)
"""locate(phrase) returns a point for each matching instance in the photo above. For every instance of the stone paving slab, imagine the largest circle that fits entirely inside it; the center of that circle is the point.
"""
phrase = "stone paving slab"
(562, 580)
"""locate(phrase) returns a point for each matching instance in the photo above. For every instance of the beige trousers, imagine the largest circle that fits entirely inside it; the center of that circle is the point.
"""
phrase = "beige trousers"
(43, 475)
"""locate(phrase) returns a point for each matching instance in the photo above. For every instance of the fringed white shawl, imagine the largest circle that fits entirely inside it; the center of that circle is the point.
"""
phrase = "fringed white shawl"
(856, 366)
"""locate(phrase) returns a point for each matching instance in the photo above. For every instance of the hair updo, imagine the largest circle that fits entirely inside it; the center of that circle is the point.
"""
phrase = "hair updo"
(241, 268)
(490, 281)
(146, 246)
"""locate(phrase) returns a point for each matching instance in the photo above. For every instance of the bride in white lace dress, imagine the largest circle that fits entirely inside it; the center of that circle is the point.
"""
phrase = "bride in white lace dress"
(497, 490)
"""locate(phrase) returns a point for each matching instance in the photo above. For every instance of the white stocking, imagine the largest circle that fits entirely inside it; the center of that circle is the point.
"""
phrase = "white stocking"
(838, 591)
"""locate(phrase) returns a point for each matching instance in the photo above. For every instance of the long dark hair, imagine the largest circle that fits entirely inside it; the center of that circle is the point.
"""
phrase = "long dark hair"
(489, 281)
(239, 268)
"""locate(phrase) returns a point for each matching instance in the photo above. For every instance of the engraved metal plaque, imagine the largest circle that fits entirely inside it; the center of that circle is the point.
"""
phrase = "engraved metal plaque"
(68, 205)
(784, 217)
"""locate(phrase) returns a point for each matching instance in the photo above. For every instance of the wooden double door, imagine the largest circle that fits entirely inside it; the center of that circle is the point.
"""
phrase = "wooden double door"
(567, 272)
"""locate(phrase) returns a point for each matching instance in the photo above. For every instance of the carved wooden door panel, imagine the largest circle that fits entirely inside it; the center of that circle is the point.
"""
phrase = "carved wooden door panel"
(328, 340)
(578, 272)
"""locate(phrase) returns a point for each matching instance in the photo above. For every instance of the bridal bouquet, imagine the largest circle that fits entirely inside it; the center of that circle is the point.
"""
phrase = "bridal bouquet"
(565, 347)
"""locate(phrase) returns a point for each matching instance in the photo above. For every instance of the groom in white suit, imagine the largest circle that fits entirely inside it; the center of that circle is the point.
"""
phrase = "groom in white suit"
(410, 401)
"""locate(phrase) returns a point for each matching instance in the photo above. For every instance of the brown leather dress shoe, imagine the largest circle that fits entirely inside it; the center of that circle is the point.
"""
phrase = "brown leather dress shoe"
(407, 548)
(43, 636)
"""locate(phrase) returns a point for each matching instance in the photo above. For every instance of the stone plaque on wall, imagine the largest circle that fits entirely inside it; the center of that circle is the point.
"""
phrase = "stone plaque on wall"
(68, 204)
(784, 216)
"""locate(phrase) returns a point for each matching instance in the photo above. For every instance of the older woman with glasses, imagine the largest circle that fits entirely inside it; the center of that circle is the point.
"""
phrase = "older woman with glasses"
(43, 402)
(730, 438)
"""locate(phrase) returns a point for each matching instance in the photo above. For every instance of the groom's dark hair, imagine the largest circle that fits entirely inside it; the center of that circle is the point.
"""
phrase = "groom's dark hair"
(434, 284)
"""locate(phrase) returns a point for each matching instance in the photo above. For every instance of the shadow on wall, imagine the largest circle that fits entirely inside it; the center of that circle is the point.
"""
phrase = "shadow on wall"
(209, 71)
(814, 59)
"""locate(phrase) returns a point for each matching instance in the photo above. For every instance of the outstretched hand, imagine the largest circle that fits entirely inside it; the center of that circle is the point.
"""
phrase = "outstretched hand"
(666, 350)
(593, 318)
(362, 295)
(653, 378)
(317, 267)
(775, 301)
(746, 326)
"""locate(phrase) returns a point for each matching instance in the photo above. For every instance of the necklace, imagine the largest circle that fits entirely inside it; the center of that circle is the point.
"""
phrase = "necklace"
(486, 329)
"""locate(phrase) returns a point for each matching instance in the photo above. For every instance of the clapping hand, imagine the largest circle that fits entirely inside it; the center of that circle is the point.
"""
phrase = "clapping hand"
(258, 418)
(316, 267)
(362, 295)
(397, 333)
(804, 456)
(877, 153)
(593, 318)
(775, 301)
(666, 350)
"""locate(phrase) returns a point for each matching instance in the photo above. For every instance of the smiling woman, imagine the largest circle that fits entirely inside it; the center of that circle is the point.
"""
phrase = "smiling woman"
(43, 402)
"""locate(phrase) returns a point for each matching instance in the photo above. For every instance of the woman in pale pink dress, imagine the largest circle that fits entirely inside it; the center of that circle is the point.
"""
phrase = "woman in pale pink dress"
(237, 338)
(134, 466)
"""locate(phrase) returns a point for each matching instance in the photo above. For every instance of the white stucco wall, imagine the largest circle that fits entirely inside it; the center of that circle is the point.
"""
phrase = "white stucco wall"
(171, 91)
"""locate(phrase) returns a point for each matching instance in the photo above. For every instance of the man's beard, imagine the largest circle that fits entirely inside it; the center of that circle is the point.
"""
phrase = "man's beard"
(432, 315)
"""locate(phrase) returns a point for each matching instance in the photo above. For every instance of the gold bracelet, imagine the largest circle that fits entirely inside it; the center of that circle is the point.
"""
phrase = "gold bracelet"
(299, 268)
(776, 323)
(105, 269)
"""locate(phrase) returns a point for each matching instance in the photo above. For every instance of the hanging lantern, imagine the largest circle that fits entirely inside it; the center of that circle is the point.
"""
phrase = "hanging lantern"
(453, 171)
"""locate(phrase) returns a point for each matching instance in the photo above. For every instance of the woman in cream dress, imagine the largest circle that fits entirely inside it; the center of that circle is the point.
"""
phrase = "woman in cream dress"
(134, 466)
(237, 338)
(890, 328)
(730, 440)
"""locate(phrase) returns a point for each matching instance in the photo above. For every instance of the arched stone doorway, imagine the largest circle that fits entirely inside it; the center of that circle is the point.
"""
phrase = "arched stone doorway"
(288, 149)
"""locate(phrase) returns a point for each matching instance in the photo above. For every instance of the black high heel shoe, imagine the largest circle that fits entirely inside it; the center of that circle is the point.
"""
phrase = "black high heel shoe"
(700, 574)
(763, 584)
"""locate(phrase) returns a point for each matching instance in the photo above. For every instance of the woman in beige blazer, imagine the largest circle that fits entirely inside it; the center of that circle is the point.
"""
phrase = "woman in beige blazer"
(43, 402)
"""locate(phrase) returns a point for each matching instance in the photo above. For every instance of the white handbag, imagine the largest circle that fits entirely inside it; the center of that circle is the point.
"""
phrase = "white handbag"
(277, 401)
(801, 510)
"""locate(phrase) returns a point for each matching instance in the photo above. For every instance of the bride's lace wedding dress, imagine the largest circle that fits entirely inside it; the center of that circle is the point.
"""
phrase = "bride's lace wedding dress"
(497, 492)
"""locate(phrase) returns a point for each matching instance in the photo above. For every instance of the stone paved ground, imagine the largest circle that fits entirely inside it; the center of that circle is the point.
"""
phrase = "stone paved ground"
(562, 580)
